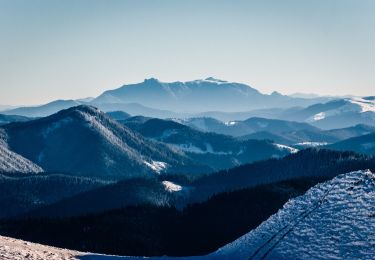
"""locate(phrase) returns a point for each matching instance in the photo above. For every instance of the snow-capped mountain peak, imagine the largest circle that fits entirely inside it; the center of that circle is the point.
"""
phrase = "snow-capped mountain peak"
(365, 104)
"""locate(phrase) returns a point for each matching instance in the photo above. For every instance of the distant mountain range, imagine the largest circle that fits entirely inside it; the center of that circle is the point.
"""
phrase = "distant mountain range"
(216, 150)
(336, 114)
(249, 126)
(43, 110)
(226, 101)
(6, 119)
(199, 95)
(298, 134)
(188, 97)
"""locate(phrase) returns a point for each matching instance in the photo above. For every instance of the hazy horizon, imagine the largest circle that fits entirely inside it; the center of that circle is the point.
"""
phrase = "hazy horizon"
(75, 49)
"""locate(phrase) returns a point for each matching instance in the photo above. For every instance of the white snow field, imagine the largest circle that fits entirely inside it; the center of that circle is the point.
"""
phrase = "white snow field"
(15, 249)
(332, 220)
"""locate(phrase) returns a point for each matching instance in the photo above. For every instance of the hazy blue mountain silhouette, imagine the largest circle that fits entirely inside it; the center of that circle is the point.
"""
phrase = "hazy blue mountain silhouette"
(198, 96)
(180, 99)
(43, 110)
(6, 119)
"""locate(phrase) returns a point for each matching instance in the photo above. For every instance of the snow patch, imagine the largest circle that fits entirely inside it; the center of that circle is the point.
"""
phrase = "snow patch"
(317, 117)
(366, 105)
(211, 80)
(231, 123)
(190, 148)
(285, 147)
(156, 166)
(171, 187)
(311, 144)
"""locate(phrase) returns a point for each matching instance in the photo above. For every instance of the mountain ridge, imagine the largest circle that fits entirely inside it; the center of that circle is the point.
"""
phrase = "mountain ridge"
(73, 139)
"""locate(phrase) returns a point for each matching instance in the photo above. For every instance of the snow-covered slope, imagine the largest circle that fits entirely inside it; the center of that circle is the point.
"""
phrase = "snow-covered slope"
(333, 220)
(337, 114)
(15, 249)
(13, 162)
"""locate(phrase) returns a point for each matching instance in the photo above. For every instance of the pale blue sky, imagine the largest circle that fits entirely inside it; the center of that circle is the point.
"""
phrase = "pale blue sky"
(54, 49)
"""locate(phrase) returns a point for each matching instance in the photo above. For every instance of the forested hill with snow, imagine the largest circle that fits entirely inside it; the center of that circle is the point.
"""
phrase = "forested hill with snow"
(83, 141)
(333, 220)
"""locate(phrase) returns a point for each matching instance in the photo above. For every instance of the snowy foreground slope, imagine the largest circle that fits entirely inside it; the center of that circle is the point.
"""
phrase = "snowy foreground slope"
(17, 249)
(333, 220)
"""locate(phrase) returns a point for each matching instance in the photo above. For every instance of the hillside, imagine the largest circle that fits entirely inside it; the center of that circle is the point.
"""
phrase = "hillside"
(336, 114)
(154, 192)
(20, 194)
(216, 150)
(331, 216)
(312, 162)
(361, 144)
(84, 141)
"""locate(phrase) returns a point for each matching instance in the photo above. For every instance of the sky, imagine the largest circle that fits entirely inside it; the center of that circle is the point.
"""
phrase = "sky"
(54, 49)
